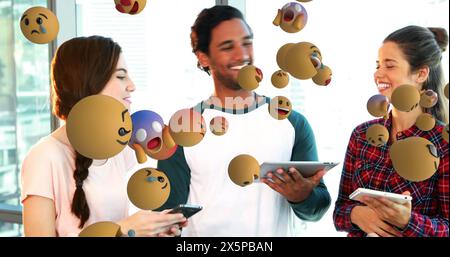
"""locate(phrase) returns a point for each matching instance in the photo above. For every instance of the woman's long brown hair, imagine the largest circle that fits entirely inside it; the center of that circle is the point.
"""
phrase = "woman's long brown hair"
(81, 67)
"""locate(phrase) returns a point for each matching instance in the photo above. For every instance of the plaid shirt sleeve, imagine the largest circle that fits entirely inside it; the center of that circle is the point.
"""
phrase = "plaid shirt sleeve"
(343, 205)
(433, 226)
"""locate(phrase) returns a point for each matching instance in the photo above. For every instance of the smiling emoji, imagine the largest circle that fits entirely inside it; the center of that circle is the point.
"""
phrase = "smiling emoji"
(249, 77)
(280, 79)
(187, 127)
(291, 18)
(243, 170)
(148, 189)
(377, 135)
(414, 158)
(146, 137)
(405, 98)
(280, 107)
(39, 25)
(130, 6)
(99, 127)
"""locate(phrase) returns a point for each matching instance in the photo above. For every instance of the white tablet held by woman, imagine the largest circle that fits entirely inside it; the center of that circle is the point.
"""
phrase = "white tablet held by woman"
(398, 198)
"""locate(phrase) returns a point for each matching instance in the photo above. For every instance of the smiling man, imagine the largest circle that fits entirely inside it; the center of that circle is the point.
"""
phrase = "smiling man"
(223, 44)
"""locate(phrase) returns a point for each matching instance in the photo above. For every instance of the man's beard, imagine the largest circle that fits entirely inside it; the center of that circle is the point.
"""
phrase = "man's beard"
(228, 82)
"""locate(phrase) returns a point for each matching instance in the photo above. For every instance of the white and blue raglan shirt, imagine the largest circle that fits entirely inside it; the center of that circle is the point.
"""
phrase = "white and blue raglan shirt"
(199, 175)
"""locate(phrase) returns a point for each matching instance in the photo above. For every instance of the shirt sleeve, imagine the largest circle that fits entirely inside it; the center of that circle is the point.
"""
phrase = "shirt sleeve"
(36, 174)
(344, 206)
(179, 174)
(433, 226)
(316, 205)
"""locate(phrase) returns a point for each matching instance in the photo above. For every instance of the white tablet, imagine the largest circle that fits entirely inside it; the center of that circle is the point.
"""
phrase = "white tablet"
(307, 169)
(398, 198)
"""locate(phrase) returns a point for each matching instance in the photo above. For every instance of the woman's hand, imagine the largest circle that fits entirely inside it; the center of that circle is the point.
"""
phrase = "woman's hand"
(150, 223)
(369, 222)
(389, 211)
(174, 230)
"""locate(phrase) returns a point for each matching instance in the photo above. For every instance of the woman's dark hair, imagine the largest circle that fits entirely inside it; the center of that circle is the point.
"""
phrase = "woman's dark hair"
(206, 21)
(424, 47)
(81, 67)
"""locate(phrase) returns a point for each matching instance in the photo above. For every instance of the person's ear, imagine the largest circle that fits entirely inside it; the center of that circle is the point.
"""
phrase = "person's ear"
(422, 74)
(203, 59)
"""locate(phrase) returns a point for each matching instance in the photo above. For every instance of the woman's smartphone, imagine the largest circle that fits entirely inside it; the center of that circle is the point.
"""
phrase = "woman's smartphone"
(187, 209)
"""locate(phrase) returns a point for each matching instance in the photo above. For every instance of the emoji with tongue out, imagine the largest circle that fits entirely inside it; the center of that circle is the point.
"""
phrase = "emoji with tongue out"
(291, 18)
(323, 76)
(249, 77)
(280, 107)
(130, 6)
(146, 138)
(39, 25)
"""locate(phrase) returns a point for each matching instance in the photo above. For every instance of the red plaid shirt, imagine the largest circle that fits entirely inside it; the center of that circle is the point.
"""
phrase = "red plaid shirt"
(371, 167)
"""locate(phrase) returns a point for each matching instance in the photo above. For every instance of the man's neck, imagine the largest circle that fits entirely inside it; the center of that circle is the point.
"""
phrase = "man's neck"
(232, 99)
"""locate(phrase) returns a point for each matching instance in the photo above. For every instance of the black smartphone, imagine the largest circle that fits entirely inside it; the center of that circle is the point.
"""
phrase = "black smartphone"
(187, 209)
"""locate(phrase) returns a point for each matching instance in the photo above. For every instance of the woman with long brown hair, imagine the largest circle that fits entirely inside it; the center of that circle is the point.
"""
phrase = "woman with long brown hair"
(411, 55)
(63, 191)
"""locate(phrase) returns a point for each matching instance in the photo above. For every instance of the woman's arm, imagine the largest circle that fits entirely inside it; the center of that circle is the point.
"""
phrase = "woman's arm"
(39, 216)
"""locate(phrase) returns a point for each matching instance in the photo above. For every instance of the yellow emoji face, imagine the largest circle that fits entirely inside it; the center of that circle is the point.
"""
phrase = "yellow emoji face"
(425, 122)
(130, 6)
(280, 79)
(446, 91)
(378, 106)
(249, 77)
(218, 126)
(187, 127)
(323, 76)
(445, 133)
(405, 98)
(414, 158)
(280, 107)
(39, 25)
(303, 60)
(428, 99)
(99, 127)
(282, 55)
(148, 189)
(243, 170)
(291, 18)
(377, 135)
(101, 229)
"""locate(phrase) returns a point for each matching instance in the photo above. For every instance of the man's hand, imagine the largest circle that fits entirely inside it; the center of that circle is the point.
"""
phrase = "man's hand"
(389, 211)
(292, 185)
